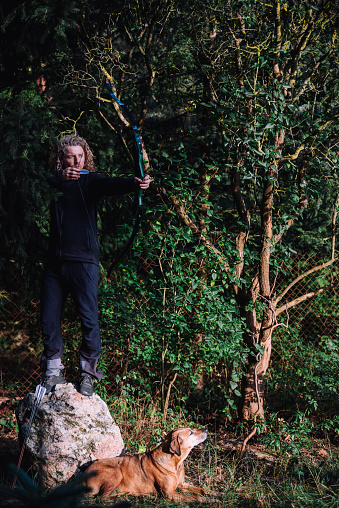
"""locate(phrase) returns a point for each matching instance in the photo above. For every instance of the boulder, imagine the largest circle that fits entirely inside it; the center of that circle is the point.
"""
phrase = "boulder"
(68, 431)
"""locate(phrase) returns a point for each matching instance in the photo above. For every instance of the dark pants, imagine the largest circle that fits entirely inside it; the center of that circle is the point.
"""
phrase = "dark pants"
(80, 280)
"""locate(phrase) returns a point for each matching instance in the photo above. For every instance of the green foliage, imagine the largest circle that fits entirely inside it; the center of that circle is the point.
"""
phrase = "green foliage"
(238, 107)
(169, 336)
(23, 153)
(289, 437)
(305, 374)
(9, 423)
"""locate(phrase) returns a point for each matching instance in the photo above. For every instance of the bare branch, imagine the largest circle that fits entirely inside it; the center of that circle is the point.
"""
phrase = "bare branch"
(302, 276)
(305, 297)
(169, 393)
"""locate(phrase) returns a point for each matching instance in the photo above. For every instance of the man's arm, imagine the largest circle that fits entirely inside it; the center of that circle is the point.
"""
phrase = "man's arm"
(108, 186)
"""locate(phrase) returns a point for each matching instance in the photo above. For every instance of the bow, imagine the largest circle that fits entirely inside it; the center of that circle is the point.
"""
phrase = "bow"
(138, 213)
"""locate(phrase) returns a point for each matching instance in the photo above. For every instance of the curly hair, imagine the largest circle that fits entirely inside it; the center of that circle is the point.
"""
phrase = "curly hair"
(56, 158)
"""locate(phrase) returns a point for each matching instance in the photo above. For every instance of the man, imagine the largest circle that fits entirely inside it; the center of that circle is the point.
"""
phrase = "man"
(73, 257)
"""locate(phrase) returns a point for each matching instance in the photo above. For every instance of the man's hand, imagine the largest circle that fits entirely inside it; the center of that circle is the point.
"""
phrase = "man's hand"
(144, 183)
(70, 174)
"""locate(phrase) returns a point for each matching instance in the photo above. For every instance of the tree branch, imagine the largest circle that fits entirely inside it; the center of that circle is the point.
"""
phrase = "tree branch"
(334, 220)
(189, 223)
(244, 216)
(278, 40)
(115, 105)
(305, 297)
(302, 276)
(309, 139)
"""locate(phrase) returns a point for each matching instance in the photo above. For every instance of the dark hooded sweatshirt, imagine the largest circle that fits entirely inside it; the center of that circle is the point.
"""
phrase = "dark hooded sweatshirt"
(73, 226)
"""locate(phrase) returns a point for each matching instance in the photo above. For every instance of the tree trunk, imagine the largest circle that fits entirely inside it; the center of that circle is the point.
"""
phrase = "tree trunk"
(261, 335)
(253, 403)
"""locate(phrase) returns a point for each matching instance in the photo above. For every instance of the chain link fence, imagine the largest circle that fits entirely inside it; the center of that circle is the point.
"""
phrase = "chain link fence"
(314, 316)
(308, 292)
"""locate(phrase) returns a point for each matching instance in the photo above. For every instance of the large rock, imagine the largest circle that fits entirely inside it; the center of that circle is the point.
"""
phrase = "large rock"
(69, 430)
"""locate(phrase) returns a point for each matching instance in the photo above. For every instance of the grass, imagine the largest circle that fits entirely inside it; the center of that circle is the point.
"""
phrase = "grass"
(263, 477)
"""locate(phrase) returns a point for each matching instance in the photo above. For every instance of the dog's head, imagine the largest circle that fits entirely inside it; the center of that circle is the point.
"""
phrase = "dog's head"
(181, 441)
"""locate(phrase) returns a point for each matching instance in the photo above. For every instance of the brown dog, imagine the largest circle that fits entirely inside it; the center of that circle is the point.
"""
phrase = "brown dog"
(161, 469)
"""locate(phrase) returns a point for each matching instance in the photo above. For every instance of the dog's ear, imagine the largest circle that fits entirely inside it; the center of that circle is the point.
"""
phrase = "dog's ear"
(175, 445)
